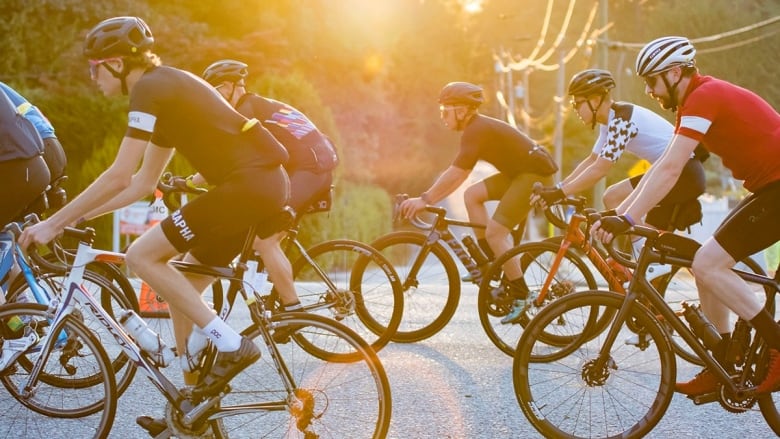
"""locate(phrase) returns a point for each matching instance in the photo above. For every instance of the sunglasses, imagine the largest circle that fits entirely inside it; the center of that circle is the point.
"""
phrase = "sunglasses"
(94, 65)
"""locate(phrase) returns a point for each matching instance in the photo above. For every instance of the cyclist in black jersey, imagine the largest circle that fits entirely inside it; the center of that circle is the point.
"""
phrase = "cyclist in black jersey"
(173, 110)
(520, 163)
(310, 167)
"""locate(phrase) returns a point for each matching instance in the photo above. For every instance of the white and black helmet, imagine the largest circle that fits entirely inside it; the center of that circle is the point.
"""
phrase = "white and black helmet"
(664, 53)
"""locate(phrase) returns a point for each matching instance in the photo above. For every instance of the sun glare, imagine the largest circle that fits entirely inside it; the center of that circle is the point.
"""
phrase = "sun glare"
(472, 6)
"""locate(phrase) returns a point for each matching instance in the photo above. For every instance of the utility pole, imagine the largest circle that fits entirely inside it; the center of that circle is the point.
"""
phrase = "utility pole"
(603, 63)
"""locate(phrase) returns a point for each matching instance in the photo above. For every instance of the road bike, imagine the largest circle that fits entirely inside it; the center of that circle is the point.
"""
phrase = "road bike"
(597, 386)
(326, 380)
(342, 279)
(572, 262)
(430, 279)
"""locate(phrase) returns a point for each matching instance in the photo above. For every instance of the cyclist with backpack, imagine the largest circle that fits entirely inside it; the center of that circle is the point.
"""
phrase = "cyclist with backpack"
(310, 167)
(625, 127)
(744, 130)
(173, 110)
(520, 162)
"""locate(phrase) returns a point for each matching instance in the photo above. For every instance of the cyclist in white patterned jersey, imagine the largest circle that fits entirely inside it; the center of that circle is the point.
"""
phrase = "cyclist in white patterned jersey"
(173, 110)
(623, 127)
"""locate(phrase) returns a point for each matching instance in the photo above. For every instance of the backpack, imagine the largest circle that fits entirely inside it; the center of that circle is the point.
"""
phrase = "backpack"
(18, 137)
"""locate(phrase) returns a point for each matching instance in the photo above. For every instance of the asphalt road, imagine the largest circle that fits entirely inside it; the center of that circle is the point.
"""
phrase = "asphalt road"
(453, 385)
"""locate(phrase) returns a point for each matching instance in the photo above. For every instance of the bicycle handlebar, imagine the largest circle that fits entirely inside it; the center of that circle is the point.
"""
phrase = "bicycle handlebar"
(439, 212)
(171, 185)
(622, 258)
(559, 221)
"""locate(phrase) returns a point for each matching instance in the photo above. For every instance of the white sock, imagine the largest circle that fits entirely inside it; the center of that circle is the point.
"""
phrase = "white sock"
(223, 336)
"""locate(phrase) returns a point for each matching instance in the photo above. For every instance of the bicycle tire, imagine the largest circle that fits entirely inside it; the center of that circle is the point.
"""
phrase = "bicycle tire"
(331, 398)
(566, 398)
(368, 297)
(427, 309)
(535, 260)
(112, 301)
(81, 350)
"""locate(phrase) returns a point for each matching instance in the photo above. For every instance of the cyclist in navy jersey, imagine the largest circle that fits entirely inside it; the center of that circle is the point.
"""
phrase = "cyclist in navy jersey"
(173, 110)
(520, 163)
(744, 130)
(312, 159)
(623, 127)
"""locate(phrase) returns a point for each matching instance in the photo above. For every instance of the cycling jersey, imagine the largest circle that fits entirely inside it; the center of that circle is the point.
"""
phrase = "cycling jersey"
(736, 124)
(173, 109)
(176, 109)
(308, 148)
(634, 129)
(496, 142)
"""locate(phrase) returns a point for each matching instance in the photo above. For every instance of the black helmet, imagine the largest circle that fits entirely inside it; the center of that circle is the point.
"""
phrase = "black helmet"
(225, 70)
(591, 82)
(118, 36)
(461, 93)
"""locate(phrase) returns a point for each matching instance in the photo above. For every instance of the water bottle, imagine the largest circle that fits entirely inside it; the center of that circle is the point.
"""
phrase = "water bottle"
(194, 350)
(701, 326)
(147, 339)
(740, 340)
(474, 250)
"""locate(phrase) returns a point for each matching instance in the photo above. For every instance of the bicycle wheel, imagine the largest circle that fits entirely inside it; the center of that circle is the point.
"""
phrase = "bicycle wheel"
(428, 306)
(536, 258)
(354, 284)
(326, 399)
(77, 355)
(112, 300)
(573, 396)
(679, 286)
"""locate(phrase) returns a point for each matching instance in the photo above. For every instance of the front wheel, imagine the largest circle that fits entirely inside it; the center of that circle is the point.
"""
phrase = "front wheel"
(87, 406)
(297, 393)
(536, 260)
(578, 394)
(430, 282)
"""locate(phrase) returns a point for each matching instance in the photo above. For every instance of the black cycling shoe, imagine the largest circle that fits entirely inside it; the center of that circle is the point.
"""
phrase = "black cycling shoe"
(226, 366)
(154, 426)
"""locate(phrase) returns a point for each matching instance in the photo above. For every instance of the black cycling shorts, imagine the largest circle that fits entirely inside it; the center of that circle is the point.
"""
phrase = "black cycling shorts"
(753, 225)
(23, 182)
(214, 226)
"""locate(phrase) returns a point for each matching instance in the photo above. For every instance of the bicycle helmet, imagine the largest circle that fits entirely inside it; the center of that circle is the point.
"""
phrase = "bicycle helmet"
(664, 53)
(461, 93)
(591, 82)
(118, 36)
(225, 70)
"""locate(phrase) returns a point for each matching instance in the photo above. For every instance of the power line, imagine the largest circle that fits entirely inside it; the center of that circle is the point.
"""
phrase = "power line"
(638, 46)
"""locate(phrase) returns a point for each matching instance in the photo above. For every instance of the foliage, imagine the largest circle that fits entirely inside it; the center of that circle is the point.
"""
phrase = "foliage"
(368, 72)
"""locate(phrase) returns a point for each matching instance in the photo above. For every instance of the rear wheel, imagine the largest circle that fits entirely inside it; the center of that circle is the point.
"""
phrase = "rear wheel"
(536, 260)
(354, 284)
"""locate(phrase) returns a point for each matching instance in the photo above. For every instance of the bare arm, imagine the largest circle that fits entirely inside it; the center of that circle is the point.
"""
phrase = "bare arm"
(447, 182)
(660, 179)
(581, 167)
(596, 169)
(142, 183)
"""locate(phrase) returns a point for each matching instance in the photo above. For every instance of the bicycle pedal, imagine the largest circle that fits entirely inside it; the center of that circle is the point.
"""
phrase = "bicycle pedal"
(705, 398)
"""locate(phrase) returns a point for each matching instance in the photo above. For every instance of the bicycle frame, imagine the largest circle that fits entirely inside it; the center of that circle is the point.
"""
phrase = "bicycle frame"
(639, 287)
(440, 231)
(74, 295)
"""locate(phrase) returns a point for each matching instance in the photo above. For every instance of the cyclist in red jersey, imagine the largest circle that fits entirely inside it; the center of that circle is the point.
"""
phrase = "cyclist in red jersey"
(744, 130)
(173, 110)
